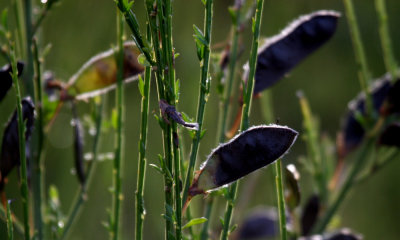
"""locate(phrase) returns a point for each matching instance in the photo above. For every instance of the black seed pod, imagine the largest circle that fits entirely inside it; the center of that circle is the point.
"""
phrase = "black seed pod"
(248, 151)
(260, 224)
(298, 40)
(10, 145)
(391, 135)
(6, 79)
(78, 147)
(342, 234)
(353, 131)
(310, 214)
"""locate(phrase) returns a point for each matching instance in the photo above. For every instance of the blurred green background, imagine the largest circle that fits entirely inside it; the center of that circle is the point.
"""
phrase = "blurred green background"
(78, 30)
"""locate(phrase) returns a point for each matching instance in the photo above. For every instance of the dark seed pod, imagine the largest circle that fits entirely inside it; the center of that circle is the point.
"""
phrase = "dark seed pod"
(292, 193)
(6, 79)
(298, 40)
(392, 103)
(343, 234)
(260, 224)
(10, 145)
(391, 135)
(78, 147)
(352, 131)
(169, 111)
(248, 151)
(310, 214)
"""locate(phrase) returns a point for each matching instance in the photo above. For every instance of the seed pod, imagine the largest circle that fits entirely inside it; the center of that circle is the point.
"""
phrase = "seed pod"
(352, 131)
(292, 193)
(10, 145)
(310, 214)
(6, 79)
(342, 234)
(78, 147)
(390, 136)
(169, 111)
(260, 224)
(284, 51)
(392, 103)
(248, 151)
(99, 74)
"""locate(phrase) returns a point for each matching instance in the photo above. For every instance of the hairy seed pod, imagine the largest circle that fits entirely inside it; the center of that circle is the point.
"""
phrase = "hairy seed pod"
(6, 79)
(298, 40)
(248, 151)
(99, 74)
(310, 214)
(169, 111)
(262, 223)
(390, 136)
(78, 147)
(10, 146)
(342, 234)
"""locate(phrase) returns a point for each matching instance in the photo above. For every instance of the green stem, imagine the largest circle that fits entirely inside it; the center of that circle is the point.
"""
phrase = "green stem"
(81, 195)
(231, 77)
(203, 95)
(119, 138)
(281, 199)
(386, 43)
(207, 214)
(38, 186)
(16, 223)
(19, 19)
(364, 75)
(140, 211)
(247, 98)
(359, 162)
(28, 71)
(10, 231)
(21, 137)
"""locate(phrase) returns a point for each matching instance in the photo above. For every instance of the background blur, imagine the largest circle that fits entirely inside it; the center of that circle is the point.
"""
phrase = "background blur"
(78, 30)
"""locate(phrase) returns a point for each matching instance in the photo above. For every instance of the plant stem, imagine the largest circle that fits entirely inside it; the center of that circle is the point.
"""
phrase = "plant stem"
(361, 158)
(21, 137)
(28, 72)
(281, 199)
(203, 95)
(119, 140)
(10, 231)
(207, 214)
(140, 211)
(364, 75)
(16, 223)
(81, 195)
(231, 76)
(390, 62)
(247, 97)
(38, 186)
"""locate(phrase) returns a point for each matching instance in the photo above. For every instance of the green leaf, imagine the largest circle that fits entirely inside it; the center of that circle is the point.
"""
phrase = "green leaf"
(141, 86)
(143, 61)
(233, 228)
(176, 55)
(199, 35)
(195, 221)
(204, 2)
(157, 168)
(233, 12)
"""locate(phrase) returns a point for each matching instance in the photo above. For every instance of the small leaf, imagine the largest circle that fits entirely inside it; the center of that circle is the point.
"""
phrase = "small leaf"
(195, 221)
(233, 13)
(141, 86)
(157, 168)
(143, 60)
(199, 35)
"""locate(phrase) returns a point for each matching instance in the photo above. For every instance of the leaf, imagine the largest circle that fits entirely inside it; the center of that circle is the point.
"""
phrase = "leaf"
(141, 86)
(195, 221)
(143, 60)
(157, 168)
(250, 150)
(198, 34)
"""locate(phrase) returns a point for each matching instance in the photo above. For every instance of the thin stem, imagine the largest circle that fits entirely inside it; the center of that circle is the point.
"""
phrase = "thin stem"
(360, 160)
(207, 214)
(21, 137)
(203, 94)
(140, 211)
(19, 228)
(386, 43)
(28, 71)
(229, 82)
(247, 97)
(119, 138)
(38, 187)
(20, 28)
(364, 75)
(81, 195)
(10, 231)
(281, 199)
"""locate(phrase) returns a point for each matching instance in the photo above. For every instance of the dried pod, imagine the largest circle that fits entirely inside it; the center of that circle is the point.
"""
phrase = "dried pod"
(10, 145)
(99, 74)
(310, 214)
(169, 111)
(78, 147)
(342, 234)
(260, 224)
(352, 131)
(248, 151)
(292, 193)
(6, 79)
(390, 136)
(298, 40)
